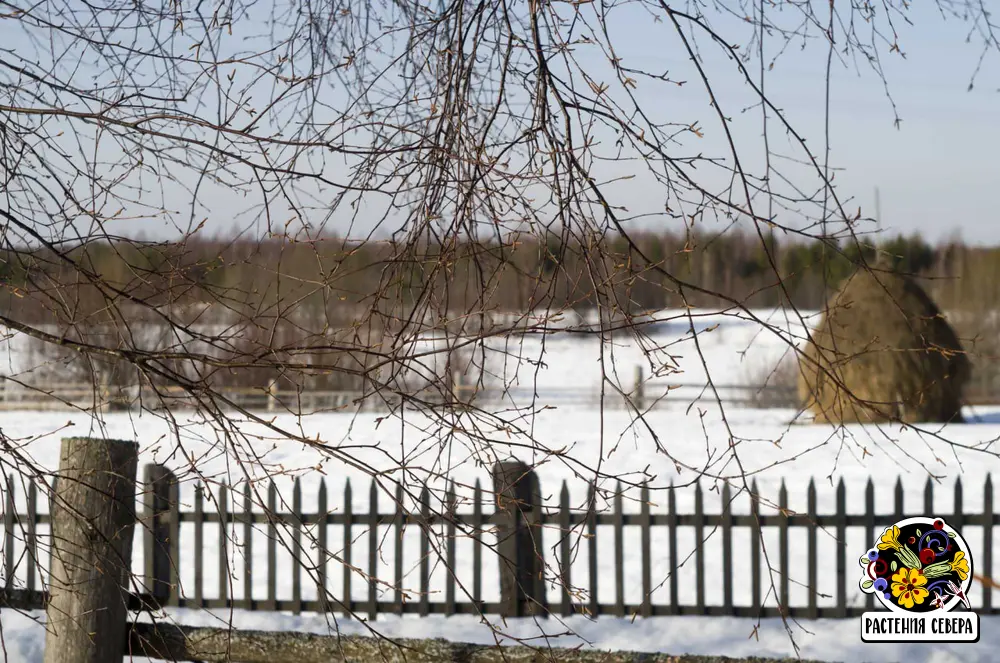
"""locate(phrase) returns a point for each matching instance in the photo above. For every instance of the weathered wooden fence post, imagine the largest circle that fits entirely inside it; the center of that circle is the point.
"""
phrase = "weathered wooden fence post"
(519, 539)
(640, 388)
(93, 520)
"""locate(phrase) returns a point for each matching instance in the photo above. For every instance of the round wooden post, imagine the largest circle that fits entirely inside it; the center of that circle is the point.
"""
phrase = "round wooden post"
(93, 519)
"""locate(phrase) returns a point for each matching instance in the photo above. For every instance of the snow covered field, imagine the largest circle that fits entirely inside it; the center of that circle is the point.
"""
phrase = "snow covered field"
(767, 444)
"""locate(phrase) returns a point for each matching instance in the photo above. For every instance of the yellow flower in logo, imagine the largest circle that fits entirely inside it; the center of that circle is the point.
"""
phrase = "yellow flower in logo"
(908, 587)
(890, 539)
(960, 565)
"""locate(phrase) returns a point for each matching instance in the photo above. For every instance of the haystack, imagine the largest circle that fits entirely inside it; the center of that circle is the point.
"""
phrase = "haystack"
(883, 352)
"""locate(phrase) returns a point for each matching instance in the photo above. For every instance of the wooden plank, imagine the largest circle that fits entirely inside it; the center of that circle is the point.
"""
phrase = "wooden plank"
(958, 519)
(699, 541)
(373, 522)
(727, 547)
(645, 523)
(592, 549)
(346, 593)
(672, 549)
(929, 509)
(9, 513)
(477, 544)
(871, 536)
(322, 552)
(812, 551)
(248, 544)
(425, 552)
(755, 534)
(898, 500)
(987, 563)
(398, 542)
(841, 549)
(450, 571)
(174, 538)
(783, 548)
(297, 565)
(619, 527)
(31, 539)
(199, 545)
(224, 572)
(565, 576)
(272, 546)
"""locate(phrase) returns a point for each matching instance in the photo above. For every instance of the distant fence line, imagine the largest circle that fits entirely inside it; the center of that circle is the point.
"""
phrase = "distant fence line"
(644, 396)
(513, 527)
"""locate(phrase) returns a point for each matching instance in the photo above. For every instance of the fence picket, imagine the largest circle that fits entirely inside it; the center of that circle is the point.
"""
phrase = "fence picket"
(8, 531)
(755, 545)
(645, 522)
(223, 543)
(248, 546)
(898, 500)
(592, 549)
(451, 570)
(987, 519)
(425, 553)
(928, 498)
(347, 597)
(199, 545)
(841, 549)
(870, 534)
(564, 551)
(811, 542)
(958, 519)
(783, 548)
(672, 548)
(297, 566)
(322, 554)
(174, 538)
(699, 551)
(31, 539)
(272, 545)
(373, 521)
(727, 548)
(619, 526)
(477, 543)
(398, 540)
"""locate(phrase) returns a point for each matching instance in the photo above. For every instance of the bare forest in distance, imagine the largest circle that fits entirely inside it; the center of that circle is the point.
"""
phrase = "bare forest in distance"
(286, 293)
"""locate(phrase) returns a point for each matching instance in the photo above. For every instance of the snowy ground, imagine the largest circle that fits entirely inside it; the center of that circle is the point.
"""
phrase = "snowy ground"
(682, 444)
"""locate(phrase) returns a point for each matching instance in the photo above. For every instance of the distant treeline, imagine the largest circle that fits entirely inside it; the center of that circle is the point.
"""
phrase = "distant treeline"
(334, 280)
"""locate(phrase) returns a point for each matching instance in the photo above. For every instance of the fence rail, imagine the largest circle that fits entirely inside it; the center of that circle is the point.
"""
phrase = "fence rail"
(165, 557)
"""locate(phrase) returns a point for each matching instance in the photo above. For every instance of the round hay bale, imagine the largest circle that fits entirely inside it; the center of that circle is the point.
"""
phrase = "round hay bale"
(883, 352)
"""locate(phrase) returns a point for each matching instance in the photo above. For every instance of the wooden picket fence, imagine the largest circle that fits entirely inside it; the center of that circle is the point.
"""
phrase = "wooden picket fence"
(506, 532)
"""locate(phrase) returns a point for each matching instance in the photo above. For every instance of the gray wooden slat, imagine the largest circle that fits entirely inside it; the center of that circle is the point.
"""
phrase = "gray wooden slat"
(958, 519)
(812, 552)
(841, 548)
(755, 534)
(871, 536)
(564, 552)
(174, 540)
(425, 553)
(398, 554)
(929, 509)
(224, 573)
(783, 547)
(272, 545)
(297, 566)
(322, 552)
(647, 552)
(672, 549)
(592, 549)
(987, 563)
(199, 545)
(8, 531)
(373, 521)
(477, 545)
(31, 540)
(727, 547)
(348, 595)
(148, 523)
(247, 544)
(619, 527)
(699, 541)
(898, 500)
(450, 562)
